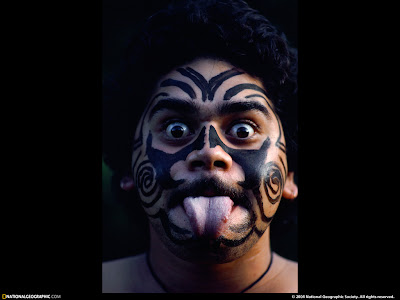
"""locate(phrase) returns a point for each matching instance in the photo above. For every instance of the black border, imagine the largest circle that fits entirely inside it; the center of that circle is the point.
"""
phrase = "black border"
(51, 238)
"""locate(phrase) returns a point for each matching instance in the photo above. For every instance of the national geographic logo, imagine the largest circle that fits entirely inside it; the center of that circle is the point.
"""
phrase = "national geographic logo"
(30, 296)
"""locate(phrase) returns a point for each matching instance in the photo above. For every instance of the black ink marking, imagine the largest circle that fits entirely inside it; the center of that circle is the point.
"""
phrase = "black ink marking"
(259, 232)
(258, 196)
(146, 183)
(235, 243)
(180, 84)
(139, 141)
(280, 158)
(146, 179)
(197, 78)
(209, 88)
(164, 161)
(216, 81)
(273, 182)
(252, 163)
(250, 160)
(243, 106)
(245, 226)
(255, 170)
(154, 201)
(241, 87)
(278, 142)
(169, 227)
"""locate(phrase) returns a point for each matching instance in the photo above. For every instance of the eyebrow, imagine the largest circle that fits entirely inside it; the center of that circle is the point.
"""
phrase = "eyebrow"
(174, 104)
(243, 106)
(185, 107)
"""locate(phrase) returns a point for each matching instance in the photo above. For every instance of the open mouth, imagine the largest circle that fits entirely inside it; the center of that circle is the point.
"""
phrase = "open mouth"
(208, 188)
(208, 208)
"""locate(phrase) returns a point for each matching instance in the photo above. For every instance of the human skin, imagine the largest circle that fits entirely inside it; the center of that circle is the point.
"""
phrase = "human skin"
(209, 121)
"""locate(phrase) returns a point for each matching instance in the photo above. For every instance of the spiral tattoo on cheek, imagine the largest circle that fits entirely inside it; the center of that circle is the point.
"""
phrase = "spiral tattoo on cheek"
(273, 182)
(147, 184)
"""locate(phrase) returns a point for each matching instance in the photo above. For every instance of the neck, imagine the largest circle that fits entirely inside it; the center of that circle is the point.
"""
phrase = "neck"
(178, 275)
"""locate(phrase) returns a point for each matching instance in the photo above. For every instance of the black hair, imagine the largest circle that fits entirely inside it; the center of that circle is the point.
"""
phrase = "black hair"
(187, 29)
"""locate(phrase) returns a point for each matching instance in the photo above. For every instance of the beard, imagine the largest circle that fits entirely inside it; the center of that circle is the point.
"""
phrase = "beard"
(237, 237)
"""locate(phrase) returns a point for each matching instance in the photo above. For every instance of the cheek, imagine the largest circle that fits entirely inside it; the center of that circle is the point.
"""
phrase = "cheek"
(273, 182)
(144, 175)
(265, 176)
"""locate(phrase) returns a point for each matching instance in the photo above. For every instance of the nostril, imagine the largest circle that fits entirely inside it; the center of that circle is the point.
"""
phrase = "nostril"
(220, 164)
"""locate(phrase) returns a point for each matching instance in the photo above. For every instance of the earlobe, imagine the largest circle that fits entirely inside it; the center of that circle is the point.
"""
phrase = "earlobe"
(127, 183)
(290, 189)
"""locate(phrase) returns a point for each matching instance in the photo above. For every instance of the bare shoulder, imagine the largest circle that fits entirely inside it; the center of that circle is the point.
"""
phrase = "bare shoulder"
(123, 275)
(286, 275)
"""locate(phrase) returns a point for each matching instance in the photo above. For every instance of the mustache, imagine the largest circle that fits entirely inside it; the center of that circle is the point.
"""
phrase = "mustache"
(214, 185)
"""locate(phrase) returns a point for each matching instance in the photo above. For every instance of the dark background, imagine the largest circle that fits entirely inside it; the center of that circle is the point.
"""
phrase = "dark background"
(124, 227)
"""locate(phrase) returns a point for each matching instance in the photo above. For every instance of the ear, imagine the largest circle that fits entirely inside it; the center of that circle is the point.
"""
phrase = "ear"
(290, 189)
(127, 183)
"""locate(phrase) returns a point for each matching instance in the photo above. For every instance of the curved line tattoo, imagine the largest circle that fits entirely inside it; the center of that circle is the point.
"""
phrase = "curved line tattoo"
(146, 183)
(139, 141)
(216, 81)
(241, 87)
(273, 182)
(154, 201)
(235, 243)
(165, 160)
(180, 84)
(197, 78)
(278, 142)
(248, 86)
(247, 159)
(208, 88)
(145, 176)
(169, 227)
(257, 195)
(280, 158)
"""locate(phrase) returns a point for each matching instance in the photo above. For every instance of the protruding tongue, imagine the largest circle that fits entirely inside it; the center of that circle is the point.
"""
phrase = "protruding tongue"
(208, 214)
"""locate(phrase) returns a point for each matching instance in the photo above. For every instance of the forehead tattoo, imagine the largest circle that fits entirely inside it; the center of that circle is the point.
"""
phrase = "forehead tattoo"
(152, 174)
(208, 88)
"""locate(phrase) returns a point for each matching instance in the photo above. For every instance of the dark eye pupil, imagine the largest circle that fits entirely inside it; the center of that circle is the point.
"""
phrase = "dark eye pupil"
(242, 132)
(177, 131)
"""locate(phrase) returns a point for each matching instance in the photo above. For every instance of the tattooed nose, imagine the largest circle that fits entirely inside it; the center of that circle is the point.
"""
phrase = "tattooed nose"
(210, 157)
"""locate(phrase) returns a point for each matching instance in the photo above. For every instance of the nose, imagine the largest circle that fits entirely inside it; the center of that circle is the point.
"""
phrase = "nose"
(208, 159)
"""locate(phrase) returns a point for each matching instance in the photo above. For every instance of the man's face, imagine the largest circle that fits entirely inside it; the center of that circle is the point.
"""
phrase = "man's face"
(209, 161)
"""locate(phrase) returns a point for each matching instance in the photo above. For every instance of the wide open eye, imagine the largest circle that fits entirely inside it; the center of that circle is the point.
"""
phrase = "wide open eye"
(241, 131)
(177, 130)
